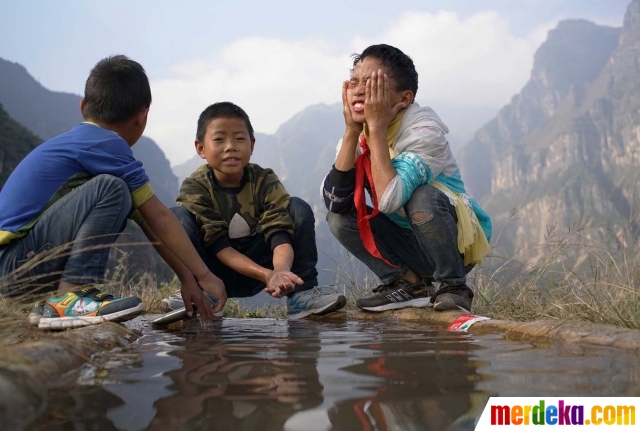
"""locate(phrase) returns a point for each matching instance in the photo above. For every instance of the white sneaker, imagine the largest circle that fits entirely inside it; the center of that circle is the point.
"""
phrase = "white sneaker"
(174, 302)
(314, 301)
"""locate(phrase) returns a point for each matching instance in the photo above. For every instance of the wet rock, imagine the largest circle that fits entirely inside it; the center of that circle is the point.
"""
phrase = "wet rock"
(28, 370)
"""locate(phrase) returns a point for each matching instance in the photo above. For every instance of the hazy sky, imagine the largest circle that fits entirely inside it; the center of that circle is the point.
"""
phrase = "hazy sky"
(275, 58)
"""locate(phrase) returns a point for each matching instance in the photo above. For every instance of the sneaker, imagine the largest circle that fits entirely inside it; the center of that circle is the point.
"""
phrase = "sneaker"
(453, 297)
(314, 301)
(36, 313)
(397, 295)
(174, 302)
(87, 306)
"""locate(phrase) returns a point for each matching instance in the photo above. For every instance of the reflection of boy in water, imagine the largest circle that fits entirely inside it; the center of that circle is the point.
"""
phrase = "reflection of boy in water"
(406, 400)
(231, 387)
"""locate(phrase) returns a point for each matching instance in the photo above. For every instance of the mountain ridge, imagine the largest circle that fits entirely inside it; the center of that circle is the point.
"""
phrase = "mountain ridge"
(564, 150)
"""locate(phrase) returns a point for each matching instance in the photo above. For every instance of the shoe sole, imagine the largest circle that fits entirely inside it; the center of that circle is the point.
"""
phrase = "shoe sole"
(447, 302)
(80, 321)
(34, 319)
(330, 308)
(414, 303)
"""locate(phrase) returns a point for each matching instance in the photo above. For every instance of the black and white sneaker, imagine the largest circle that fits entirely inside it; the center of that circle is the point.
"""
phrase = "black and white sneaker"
(397, 295)
(453, 297)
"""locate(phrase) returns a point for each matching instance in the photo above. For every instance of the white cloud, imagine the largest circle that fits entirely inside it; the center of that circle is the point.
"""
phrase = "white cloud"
(475, 61)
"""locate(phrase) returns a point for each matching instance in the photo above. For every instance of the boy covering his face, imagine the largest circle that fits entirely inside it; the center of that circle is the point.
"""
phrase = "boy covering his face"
(423, 227)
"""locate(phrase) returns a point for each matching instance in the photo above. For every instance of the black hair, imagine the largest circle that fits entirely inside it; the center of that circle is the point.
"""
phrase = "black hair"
(221, 110)
(116, 90)
(400, 66)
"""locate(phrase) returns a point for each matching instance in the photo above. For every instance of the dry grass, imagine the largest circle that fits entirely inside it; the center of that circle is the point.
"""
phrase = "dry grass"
(598, 286)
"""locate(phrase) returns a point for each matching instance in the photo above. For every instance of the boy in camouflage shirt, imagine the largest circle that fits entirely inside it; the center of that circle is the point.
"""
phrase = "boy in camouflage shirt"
(244, 224)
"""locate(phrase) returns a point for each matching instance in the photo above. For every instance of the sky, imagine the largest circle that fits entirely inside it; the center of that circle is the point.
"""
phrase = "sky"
(274, 58)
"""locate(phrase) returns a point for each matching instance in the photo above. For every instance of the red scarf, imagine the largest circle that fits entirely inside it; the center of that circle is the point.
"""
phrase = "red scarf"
(363, 168)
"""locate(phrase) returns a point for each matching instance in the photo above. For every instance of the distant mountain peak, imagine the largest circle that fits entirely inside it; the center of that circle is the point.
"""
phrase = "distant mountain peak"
(632, 18)
(573, 55)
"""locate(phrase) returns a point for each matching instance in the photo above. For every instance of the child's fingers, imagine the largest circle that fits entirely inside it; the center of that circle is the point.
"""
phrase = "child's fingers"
(397, 108)
(374, 86)
(187, 306)
(345, 85)
(219, 306)
(367, 91)
(385, 88)
(204, 308)
(381, 84)
(294, 279)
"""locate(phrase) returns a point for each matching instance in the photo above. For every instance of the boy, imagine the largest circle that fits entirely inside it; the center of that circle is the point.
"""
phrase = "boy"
(243, 222)
(423, 227)
(69, 199)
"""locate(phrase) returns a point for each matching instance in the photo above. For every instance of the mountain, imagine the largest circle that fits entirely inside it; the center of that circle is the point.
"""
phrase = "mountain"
(15, 143)
(50, 113)
(565, 152)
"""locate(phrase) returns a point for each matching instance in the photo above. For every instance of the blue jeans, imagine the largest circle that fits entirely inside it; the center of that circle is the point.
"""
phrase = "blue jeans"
(429, 248)
(256, 248)
(70, 241)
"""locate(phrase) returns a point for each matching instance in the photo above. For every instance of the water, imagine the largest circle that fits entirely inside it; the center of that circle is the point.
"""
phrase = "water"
(258, 374)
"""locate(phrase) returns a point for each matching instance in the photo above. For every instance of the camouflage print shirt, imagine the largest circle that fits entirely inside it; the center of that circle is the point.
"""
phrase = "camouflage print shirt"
(258, 206)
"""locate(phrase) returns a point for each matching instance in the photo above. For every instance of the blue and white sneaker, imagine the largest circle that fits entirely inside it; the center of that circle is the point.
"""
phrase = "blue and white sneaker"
(314, 301)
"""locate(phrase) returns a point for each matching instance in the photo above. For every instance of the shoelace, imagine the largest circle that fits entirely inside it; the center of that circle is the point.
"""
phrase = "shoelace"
(316, 291)
(384, 287)
(93, 293)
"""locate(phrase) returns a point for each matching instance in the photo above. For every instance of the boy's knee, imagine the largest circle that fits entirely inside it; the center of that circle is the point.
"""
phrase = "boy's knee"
(426, 202)
(111, 182)
(109, 185)
(183, 215)
(421, 217)
(337, 223)
(300, 211)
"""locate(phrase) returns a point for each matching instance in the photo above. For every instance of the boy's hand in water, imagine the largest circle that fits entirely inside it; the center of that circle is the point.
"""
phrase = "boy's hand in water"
(379, 108)
(281, 282)
(351, 126)
(192, 293)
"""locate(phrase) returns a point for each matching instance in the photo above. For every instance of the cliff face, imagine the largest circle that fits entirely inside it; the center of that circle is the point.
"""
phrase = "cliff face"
(15, 144)
(565, 151)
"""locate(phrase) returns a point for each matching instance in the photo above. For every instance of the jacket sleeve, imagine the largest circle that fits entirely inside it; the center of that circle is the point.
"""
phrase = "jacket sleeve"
(424, 154)
(274, 221)
(196, 197)
(337, 190)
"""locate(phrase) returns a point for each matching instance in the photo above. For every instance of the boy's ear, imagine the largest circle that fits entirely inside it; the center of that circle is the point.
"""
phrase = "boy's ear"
(200, 149)
(253, 143)
(83, 103)
(407, 97)
(141, 118)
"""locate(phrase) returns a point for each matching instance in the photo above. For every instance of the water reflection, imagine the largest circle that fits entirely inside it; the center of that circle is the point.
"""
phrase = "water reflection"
(275, 375)
(243, 381)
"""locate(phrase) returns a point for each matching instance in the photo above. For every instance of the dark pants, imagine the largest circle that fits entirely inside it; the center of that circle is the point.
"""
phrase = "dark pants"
(256, 249)
(429, 248)
(70, 241)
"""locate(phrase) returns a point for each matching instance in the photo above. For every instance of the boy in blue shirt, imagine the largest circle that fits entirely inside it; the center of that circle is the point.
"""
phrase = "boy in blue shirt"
(70, 198)
(423, 227)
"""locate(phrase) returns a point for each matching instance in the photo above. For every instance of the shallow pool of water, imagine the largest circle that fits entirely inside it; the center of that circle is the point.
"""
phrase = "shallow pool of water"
(257, 374)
